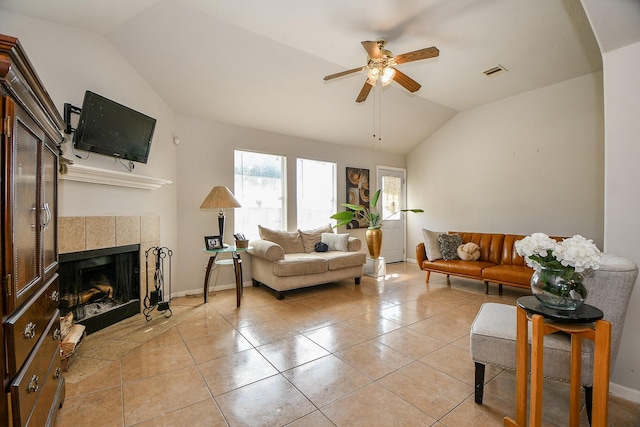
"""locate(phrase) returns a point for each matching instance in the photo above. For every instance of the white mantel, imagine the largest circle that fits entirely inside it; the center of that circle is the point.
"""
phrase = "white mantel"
(95, 175)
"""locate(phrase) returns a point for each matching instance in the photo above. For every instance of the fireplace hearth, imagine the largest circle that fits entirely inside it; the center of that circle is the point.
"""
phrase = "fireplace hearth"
(100, 287)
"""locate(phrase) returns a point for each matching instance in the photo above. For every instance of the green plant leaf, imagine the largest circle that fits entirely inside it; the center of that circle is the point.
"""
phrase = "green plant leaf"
(353, 207)
(374, 199)
(343, 216)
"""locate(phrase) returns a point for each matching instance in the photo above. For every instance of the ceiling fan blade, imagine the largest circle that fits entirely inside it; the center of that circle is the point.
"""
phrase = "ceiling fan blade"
(364, 92)
(372, 49)
(405, 81)
(427, 52)
(343, 73)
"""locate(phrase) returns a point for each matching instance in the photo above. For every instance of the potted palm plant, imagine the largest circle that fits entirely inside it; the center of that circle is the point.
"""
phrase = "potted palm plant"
(369, 217)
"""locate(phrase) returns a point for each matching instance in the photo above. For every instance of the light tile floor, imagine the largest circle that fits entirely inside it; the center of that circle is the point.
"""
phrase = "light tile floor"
(391, 352)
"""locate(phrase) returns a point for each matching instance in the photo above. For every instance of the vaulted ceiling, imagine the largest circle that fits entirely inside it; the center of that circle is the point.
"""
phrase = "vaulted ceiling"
(261, 63)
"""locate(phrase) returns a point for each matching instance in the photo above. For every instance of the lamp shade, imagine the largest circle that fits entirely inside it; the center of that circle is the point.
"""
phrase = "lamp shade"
(220, 197)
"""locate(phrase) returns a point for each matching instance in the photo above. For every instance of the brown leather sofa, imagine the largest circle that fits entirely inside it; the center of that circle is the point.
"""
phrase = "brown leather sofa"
(498, 263)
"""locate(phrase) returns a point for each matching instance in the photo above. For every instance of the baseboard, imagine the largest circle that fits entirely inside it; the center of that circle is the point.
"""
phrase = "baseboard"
(192, 292)
(625, 393)
(411, 261)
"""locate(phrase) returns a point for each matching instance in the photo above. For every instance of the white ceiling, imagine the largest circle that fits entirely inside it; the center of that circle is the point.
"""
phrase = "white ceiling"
(260, 63)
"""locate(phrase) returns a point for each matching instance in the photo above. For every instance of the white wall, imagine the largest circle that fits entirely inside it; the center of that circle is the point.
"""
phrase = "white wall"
(622, 197)
(205, 159)
(529, 163)
(70, 61)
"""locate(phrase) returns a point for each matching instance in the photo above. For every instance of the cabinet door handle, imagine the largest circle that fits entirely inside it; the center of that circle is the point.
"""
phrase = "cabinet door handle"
(30, 330)
(57, 334)
(47, 210)
(33, 384)
(55, 296)
(56, 373)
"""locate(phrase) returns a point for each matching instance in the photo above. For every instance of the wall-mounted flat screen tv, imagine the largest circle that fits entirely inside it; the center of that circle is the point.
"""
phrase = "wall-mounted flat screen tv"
(109, 128)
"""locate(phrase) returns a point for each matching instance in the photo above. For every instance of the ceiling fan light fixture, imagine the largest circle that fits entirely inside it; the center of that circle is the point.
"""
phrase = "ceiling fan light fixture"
(373, 73)
(387, 75)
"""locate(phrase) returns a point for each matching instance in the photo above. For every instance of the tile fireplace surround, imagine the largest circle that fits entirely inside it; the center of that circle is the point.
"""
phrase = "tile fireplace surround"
(83, 233)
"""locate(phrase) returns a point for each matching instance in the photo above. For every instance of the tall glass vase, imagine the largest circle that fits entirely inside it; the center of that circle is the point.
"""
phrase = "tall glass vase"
(560, 289)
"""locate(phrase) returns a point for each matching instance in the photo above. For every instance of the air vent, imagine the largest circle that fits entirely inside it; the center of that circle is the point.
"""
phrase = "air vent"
(498, 69)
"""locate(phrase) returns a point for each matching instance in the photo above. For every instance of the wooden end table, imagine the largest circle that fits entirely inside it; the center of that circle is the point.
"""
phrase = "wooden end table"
(584, 322)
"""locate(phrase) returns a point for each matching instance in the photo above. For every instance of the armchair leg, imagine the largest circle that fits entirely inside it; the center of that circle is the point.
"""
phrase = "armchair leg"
(479, 386)
(357, 280)
(426, 279)
(588, 401)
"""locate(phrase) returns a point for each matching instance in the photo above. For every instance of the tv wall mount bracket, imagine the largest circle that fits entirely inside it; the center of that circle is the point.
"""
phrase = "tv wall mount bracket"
(68, 110)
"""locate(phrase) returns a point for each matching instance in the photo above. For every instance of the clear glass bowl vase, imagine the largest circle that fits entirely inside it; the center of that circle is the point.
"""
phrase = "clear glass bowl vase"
(559, 289)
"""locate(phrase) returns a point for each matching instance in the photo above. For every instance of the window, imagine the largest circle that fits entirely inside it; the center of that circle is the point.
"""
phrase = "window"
(316, 193)
(259, 186)
(391, 197)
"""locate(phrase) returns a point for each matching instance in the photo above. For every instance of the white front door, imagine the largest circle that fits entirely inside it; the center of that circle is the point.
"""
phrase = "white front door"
(392, 186)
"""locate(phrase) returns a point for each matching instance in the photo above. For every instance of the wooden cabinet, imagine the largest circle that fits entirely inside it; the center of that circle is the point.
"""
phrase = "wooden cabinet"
(30, 334)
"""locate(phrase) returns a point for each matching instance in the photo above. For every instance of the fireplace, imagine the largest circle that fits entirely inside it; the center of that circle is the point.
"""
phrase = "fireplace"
(101, 286)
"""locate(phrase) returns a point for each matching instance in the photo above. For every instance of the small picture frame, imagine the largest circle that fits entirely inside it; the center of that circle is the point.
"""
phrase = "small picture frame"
(213, 242)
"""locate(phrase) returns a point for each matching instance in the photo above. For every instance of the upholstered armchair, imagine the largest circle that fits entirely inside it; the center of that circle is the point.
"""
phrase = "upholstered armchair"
(493, 332)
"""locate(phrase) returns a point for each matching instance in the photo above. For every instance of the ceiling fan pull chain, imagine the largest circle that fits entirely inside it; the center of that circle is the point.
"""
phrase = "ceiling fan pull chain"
(374, 113)
(380, 115)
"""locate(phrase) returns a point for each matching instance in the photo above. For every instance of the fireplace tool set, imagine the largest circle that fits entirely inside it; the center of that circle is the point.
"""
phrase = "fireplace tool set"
(157, 298)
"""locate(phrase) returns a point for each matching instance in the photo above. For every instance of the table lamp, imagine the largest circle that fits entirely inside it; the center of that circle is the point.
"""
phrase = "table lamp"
(220, 197)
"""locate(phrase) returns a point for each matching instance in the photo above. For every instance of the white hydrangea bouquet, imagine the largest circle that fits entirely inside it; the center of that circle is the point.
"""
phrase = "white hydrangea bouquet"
(575, 254)
(557, 281)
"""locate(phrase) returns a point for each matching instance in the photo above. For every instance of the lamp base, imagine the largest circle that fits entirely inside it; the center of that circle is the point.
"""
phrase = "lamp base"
(221, 225)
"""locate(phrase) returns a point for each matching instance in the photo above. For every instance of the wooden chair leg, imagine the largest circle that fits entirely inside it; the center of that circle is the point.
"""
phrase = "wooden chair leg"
(426, 279)
(479, 385)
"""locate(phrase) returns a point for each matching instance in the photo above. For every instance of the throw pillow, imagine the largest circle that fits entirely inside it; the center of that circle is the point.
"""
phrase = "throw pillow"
(311, 237)
(431, 244)
(468, 252)
(291, 242)
(449, 245)
(336, 242)
(321, 247)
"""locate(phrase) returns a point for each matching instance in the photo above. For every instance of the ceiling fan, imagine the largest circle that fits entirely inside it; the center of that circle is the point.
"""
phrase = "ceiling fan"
(381, 66)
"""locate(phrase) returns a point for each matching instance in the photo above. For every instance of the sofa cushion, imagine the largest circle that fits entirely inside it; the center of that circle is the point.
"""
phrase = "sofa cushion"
(512, 274)
(311, 237)
(431, 244)
(449, 245)
(300, 264)
(291, 242)
(336, 242)
(338, 260)
(458, 267)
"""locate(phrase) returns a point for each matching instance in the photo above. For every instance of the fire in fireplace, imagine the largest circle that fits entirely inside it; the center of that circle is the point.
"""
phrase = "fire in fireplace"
(100, 287)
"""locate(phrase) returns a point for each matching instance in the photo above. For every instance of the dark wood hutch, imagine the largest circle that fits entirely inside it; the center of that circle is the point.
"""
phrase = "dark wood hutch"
(30, 335)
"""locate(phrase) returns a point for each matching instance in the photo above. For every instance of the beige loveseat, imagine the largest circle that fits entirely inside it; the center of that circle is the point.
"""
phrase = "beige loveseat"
(284, 260)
